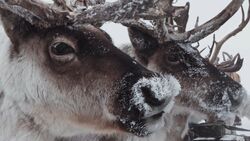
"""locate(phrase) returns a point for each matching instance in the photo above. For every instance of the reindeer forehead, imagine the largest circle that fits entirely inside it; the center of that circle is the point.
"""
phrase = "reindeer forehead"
(80, 32)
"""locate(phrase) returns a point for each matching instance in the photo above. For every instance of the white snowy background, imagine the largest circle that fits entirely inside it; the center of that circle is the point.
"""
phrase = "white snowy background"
(205, 9)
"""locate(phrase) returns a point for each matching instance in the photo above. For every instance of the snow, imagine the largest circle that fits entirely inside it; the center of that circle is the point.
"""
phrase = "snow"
(232, 137)
(47, 1)
(147, 23)
(164, 87)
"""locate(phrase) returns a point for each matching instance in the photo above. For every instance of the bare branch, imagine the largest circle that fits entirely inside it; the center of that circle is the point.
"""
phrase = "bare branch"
(242, 25)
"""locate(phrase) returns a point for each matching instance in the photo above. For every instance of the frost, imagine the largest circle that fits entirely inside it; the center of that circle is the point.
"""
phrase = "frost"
(194, 71)
(147, 23)
(164, 87)
(47, 1)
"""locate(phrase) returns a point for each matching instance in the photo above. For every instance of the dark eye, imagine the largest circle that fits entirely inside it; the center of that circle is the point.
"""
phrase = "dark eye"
(62, 52)
(172, 59)
(61, 48)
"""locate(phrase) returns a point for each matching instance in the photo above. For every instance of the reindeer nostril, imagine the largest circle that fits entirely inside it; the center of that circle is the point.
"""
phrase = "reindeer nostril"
(149, 97)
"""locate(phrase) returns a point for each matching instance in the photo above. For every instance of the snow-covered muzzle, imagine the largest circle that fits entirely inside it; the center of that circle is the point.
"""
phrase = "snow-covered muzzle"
(144, 100)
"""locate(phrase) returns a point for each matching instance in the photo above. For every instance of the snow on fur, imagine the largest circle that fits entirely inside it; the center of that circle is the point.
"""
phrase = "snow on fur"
(244, 109)
(163, 87)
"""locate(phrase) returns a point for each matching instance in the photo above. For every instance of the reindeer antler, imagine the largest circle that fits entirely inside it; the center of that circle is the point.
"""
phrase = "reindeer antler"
(232, 64)
(218, 45)
(163, 30)
(38, 13)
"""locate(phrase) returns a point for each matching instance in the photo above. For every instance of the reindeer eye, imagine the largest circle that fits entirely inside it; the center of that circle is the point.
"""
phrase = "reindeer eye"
(62, 52)
(172, 59)
(61, 49)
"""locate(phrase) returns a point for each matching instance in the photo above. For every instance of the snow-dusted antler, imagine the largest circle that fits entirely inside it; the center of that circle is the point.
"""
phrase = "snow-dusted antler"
(38, 13)
(163, 29)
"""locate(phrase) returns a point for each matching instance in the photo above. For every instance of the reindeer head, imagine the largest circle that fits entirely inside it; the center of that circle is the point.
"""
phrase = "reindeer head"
(200, 80)
(163, 48)
(70, 79)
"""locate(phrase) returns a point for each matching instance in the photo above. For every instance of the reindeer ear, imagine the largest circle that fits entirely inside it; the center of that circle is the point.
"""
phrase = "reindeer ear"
(144, 44)
(15, 26)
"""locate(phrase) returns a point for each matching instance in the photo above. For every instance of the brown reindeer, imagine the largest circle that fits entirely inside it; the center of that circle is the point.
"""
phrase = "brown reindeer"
(207, 91)
(62, 79)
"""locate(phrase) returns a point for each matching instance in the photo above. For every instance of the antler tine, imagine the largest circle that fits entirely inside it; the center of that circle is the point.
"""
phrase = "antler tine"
(228, 63)
(210, 26)
(231, 65)
(225, 54)
(165, 32)
(242, 25)
(211, 48)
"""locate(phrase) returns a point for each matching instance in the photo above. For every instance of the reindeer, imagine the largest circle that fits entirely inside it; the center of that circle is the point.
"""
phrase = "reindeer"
(65, 80)
(207, 91)
(57, 88)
